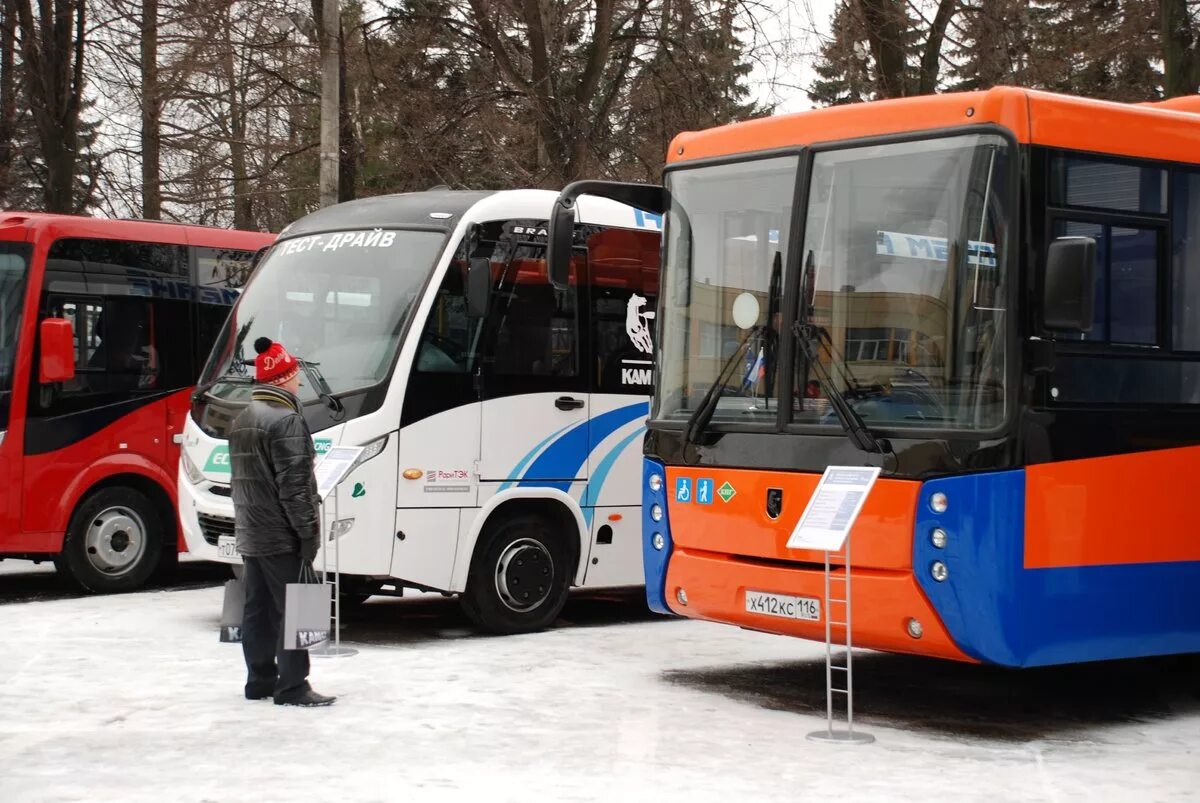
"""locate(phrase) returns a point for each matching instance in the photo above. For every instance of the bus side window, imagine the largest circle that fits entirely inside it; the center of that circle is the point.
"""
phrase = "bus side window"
(537, 325)
(449, 339)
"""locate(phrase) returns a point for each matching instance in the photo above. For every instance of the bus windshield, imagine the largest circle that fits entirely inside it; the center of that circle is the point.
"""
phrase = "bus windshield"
(14, 264)
(902, 267)
(338, 299)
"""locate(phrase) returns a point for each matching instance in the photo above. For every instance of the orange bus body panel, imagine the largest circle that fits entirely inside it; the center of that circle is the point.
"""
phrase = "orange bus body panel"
(1113, 510)
(1166, 130)
(1081, 124)
(723, 548)
(883, 602)
(741, 525)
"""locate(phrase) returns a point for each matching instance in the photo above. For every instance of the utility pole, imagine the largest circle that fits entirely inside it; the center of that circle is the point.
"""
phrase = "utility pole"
(330, 59)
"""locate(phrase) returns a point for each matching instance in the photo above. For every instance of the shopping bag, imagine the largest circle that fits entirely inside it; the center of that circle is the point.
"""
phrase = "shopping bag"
(306, 611)
(232, 609)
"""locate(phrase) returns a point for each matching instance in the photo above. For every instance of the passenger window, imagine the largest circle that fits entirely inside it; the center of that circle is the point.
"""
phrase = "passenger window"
(1126, 288)
(1185, 211)
(449, 341)
(1102, 184)
(117, 257)
(220, 273)
(537, 324)
(123, 347)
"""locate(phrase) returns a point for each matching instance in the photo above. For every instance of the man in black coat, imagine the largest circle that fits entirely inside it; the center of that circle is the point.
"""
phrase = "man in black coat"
(276, 512)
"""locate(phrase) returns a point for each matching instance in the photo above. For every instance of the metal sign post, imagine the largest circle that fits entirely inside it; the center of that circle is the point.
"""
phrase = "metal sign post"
(331, 469)
(826, 525)
(842, 580)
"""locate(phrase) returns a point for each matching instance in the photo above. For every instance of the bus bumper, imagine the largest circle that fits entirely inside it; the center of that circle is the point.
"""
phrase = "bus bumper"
(205, 516)
(715, 587)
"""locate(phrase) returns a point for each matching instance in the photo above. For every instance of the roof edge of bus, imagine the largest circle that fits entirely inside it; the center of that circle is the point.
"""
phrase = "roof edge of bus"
(1031, 116)
(22, 216)
(394, 210)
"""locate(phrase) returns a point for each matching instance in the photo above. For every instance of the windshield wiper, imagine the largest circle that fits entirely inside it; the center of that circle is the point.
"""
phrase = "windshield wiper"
(699, 419)
(708, 405)
(808, 338)
(321, 387)
(860, 434)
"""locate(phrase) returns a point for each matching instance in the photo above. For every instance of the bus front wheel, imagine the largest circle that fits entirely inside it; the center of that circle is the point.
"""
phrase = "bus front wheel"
(114, 541)
(519, 577)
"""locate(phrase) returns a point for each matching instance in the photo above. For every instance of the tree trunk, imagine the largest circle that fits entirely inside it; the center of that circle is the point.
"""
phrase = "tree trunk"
(8, 95)
(53, 52)
(931, 58)
(347, 141)
(1180, 56)
(151, 114)
(243, 209)
(886, 34)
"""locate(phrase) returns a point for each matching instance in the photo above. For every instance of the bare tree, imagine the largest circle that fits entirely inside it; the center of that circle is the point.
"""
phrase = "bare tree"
(52, 44)
(1181, 47)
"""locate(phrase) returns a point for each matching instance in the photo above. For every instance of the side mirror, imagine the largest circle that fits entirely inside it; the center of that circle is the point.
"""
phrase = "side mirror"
(479, 286)
(57, 351)
(1068, 299)
(561, 241)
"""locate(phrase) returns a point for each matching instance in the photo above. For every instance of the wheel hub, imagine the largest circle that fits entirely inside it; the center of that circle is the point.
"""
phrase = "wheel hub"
(116, 540)
(524, 575)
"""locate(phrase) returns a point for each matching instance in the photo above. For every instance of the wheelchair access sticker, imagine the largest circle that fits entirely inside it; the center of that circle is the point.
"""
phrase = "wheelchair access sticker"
(683, 489)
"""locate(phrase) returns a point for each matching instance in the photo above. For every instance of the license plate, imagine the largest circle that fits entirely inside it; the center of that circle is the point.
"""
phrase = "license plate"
(227, 547)
(783, 606)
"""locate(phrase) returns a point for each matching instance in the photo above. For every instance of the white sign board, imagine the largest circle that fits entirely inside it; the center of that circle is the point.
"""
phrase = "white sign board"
(833, 508)
(333, 466)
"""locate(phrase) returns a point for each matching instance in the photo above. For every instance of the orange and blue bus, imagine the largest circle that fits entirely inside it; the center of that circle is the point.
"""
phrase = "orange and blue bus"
(994, 297)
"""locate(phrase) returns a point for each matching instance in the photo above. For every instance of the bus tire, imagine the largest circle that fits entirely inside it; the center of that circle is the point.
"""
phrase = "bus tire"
(114, 541)
(519, 577)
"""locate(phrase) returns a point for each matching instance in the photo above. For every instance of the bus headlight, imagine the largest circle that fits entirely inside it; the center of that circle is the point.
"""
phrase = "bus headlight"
(658, 541)
(938, 537)
(939, 503)
(194, 475)
(372, 449)
(655, 482)
(656, 513)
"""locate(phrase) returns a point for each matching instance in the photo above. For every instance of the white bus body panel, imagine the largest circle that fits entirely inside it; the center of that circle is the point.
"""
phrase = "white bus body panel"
(502, 439)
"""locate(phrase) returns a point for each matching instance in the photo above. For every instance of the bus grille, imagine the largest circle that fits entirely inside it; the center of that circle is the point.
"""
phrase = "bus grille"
(213, 527)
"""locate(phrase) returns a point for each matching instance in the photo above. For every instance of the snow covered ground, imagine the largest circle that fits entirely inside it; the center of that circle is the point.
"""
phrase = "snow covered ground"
(132, 698)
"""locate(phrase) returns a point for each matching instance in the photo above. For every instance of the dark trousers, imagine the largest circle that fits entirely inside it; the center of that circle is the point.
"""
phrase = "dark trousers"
(271, 668)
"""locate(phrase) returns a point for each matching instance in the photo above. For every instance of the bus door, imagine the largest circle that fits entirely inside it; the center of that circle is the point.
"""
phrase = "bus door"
(534, 385)
(622, 291)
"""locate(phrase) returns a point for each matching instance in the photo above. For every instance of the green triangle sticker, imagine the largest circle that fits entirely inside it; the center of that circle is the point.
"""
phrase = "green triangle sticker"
(726, 492)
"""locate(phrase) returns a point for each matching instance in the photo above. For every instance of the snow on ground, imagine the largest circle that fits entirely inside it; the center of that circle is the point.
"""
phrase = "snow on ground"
(133, 698)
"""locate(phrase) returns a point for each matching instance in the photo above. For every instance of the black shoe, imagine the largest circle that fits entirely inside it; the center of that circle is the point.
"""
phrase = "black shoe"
(309, 699)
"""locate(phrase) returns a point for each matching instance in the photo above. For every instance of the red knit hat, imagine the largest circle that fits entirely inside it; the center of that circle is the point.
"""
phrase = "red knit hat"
(273, 365)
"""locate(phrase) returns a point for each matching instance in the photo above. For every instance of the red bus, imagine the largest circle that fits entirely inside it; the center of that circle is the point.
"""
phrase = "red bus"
(104, 326)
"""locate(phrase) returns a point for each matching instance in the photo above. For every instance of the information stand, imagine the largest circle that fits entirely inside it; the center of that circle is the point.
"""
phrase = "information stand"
(826, 526)
(332, 467)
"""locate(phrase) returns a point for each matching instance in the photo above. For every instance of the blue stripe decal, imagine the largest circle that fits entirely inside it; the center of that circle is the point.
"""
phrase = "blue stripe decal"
(591, 492)
(515, 474)
(998, 611)
(559, 465)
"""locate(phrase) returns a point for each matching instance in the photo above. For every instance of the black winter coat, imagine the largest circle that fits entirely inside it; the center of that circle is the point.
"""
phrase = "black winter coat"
(275, 503)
